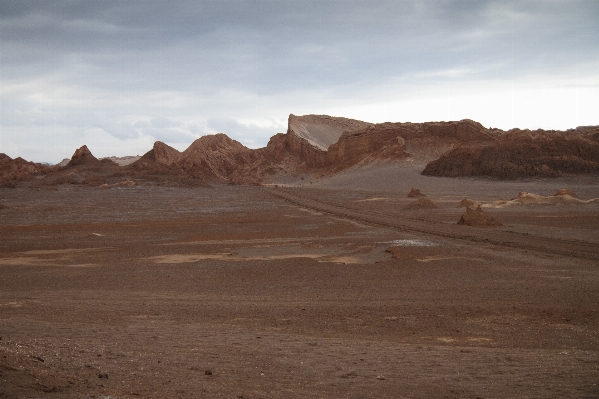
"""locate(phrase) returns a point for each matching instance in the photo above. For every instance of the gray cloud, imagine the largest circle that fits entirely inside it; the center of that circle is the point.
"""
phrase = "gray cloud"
(204, 66)
(250, 135)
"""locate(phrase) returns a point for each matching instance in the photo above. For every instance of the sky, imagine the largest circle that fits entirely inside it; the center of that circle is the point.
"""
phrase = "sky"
(119, 75)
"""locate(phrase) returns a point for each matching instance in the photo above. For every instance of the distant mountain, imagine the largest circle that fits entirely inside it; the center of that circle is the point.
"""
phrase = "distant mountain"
(322, 145)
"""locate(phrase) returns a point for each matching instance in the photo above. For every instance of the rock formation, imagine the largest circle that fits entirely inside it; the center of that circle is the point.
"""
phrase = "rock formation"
(163, 153)
(122, 161)
(217, 158)
(322, 145)
(522, 153)
(478, 218)
(13, 171)
(415, 193)
(83, 156)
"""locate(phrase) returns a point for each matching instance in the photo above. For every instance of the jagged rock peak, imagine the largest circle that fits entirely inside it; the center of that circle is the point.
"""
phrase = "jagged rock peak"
(163, 153)
(83, 156)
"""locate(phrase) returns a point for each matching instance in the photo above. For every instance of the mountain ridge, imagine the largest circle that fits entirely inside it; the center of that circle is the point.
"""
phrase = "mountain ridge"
(322, 145)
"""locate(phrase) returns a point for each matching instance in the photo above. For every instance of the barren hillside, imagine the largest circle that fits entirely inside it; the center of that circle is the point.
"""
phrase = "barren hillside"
(523, 153)
(321, 145)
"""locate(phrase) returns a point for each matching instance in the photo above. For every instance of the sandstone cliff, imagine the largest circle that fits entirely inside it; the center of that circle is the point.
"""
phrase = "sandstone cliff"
(309, 137)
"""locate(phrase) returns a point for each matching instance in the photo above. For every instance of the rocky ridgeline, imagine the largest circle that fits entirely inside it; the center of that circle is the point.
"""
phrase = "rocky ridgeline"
(321, 145)
(524, 153)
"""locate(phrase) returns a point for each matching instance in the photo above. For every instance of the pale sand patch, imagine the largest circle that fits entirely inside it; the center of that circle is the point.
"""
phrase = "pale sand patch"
(375, 199)
(188, 258)
(24, 261)
(249, 241)
(412, 243)
(289, 256)
(34, 261)
(346, 260)
(13, 304)
(445, 339)
(179, 258)
(300, 240)
(65, 251)
(440, 257)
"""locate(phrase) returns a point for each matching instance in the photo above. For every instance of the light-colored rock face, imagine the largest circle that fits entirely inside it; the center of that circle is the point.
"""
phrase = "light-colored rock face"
(64, 162)
(322, 131)
(123, 161)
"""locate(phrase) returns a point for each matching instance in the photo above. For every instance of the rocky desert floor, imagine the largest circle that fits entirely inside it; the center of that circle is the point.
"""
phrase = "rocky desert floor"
(325, 289)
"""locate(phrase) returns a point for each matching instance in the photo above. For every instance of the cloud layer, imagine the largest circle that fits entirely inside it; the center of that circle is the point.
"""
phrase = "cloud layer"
(121, 75)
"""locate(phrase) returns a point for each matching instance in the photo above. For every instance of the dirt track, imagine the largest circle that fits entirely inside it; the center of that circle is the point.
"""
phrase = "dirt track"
(502, 237)
(128, 293)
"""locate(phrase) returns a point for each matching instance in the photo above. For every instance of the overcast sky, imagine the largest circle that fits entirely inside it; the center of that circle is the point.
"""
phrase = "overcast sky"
(120, 75)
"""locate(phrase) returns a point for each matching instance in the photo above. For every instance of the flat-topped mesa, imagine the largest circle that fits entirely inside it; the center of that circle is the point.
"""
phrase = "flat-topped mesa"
(163, 153)
(310, 136)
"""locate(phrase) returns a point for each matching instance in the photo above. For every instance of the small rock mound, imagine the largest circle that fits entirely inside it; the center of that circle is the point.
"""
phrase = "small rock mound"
(478, 218)
(422, 203)
(565, 191)
(467, 203)
(414, 193)
(2, 206)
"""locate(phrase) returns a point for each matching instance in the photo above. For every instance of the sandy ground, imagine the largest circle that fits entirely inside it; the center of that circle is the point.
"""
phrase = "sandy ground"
(235, 292)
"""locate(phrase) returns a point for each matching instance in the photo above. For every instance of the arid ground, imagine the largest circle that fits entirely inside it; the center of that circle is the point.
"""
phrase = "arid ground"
(324, 289)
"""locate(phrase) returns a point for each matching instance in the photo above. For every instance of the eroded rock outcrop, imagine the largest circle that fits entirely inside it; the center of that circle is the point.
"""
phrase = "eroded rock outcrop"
(322, 145)
(523, 153)
(219, 158)
(163, 153)
(83, 156)
(415, 193)
(310, 137)
(13, 171)
(400, 141)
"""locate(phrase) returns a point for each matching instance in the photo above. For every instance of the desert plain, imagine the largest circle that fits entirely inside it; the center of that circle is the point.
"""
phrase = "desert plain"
(331, 287)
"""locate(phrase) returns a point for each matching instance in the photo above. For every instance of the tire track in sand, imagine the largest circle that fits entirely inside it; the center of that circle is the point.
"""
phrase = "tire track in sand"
(557, 246)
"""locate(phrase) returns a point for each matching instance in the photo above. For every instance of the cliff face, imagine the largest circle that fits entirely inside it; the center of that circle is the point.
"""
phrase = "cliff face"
(310, 136)
(321, 131)
(421, 141)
